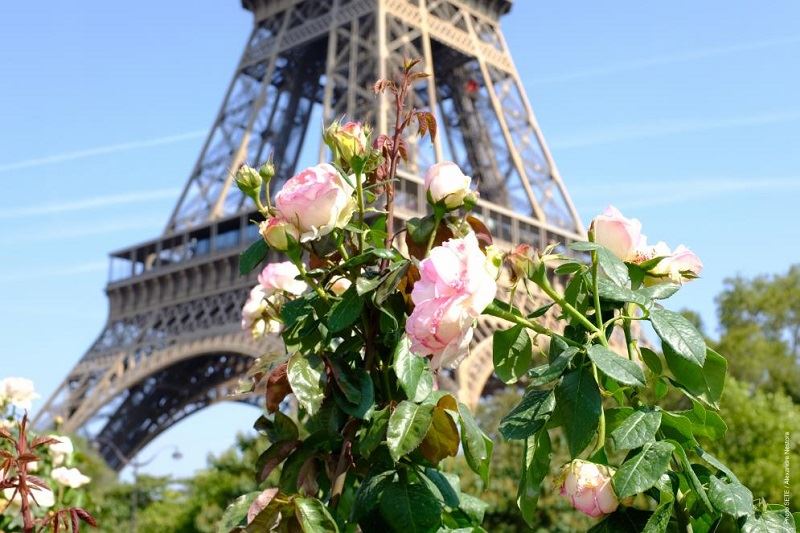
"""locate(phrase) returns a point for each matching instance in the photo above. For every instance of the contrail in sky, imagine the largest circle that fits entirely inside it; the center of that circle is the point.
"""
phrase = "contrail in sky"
(679, 57)
(626, 132)
(61, 233)
(88, 203)
(101, 150)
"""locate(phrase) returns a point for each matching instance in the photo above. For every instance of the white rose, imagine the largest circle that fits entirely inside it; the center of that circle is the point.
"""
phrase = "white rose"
(61, 450)
(18, 392)
(69, 477)
(446, 183)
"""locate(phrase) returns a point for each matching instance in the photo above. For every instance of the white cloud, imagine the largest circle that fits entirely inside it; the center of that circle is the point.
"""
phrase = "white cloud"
(659, 128)
(81, 231)
(678, 57)
(101, 150)
(95, 202)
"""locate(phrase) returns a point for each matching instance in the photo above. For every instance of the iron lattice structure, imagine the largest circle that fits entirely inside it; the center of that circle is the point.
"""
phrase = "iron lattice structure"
(172, 344)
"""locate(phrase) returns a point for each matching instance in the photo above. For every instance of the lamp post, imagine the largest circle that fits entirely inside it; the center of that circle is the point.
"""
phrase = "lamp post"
(136, 465)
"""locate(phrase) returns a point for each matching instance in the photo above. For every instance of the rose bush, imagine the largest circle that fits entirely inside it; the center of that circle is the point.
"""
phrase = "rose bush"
(373, 314)
(39, 487)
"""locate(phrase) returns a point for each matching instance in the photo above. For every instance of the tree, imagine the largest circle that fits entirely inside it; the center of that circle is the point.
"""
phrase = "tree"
(760, 330)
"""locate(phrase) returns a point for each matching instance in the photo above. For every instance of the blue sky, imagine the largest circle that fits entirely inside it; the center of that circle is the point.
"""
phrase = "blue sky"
(683, 114)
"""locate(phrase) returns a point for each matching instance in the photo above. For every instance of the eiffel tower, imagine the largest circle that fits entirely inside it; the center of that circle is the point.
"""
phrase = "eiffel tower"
(172, 344)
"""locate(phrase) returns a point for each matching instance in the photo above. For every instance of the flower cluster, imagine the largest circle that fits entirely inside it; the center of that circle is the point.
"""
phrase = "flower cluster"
(623, 236)
(36, 473)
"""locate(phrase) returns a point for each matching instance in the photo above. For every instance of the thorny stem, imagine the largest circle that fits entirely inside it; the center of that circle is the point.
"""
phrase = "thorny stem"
(601, 428)
(22, 473)
(360, 200)
(566, 306)
(395, 158)
(496, 310)
(597, 312)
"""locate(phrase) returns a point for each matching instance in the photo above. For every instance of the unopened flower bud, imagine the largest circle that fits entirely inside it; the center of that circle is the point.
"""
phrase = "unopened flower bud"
(523, 261)
(347, 140)
(588, 488)
(249, 181)
(278, 233)
(447, 185)
(267, 171)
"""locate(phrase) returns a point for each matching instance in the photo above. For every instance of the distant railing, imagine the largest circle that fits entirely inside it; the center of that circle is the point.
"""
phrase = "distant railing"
(233, 234)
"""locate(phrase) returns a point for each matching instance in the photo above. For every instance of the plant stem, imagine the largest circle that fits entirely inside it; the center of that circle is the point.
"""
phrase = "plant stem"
(343, 251)
(499, 312)
(566, 306)
(437, 219)
(360, 200)
(395, 159)
(601, 428)
(311, 281)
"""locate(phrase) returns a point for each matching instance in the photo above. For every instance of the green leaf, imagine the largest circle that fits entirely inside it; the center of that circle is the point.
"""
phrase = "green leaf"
(613, 267)
(442, 438)
(473, 507)
(730, 498)
(716, 463)
(680, 335)
(642, 471)
(375, 431)
(706, 423)
(408, 425)
(637, 430)
(705, 384)
(272, 457)
(410, 508)
(413, 372)
(623, 520)
(359, 378)
(694, 481)
(369, 494)
(769, 522)
(280, 428)
(314, 517)
(307, 378)
(579, 400)
(346, 311)
(615, 366)
(609, 290)
(477, 446)
(652, 360)
(553, 370)
(535, 467)
(678, 427)
(420, 229)
(447, 485)
(661, 291)
(512, 353)
(250, 258)
(529, 416)
(659, 520)
(236, 513)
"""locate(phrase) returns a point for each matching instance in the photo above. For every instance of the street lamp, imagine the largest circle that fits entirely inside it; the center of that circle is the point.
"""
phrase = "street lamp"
(136, 465)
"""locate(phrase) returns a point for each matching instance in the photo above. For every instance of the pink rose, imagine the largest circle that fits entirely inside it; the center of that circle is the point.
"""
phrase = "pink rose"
(316, 201)
(281, 277)
(455, 287)
(442, 328)
(253, 309)
(588, 488)
(681, 264)
(446, 183)
(623, 236)
(277, 232)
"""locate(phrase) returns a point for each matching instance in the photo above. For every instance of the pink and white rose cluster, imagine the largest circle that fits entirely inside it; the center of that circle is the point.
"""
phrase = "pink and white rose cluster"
(276, 282)
(447, 185)
(623, 236)
(588, 488)
(455, 287)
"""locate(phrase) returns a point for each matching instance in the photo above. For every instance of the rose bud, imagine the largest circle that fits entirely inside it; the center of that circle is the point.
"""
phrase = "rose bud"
(347, 140)
(447, 185)
(588, 488)
(681, 264)
(316, 201)
(523, 261)
(278, 233)
(249, 181)
(623, 236)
